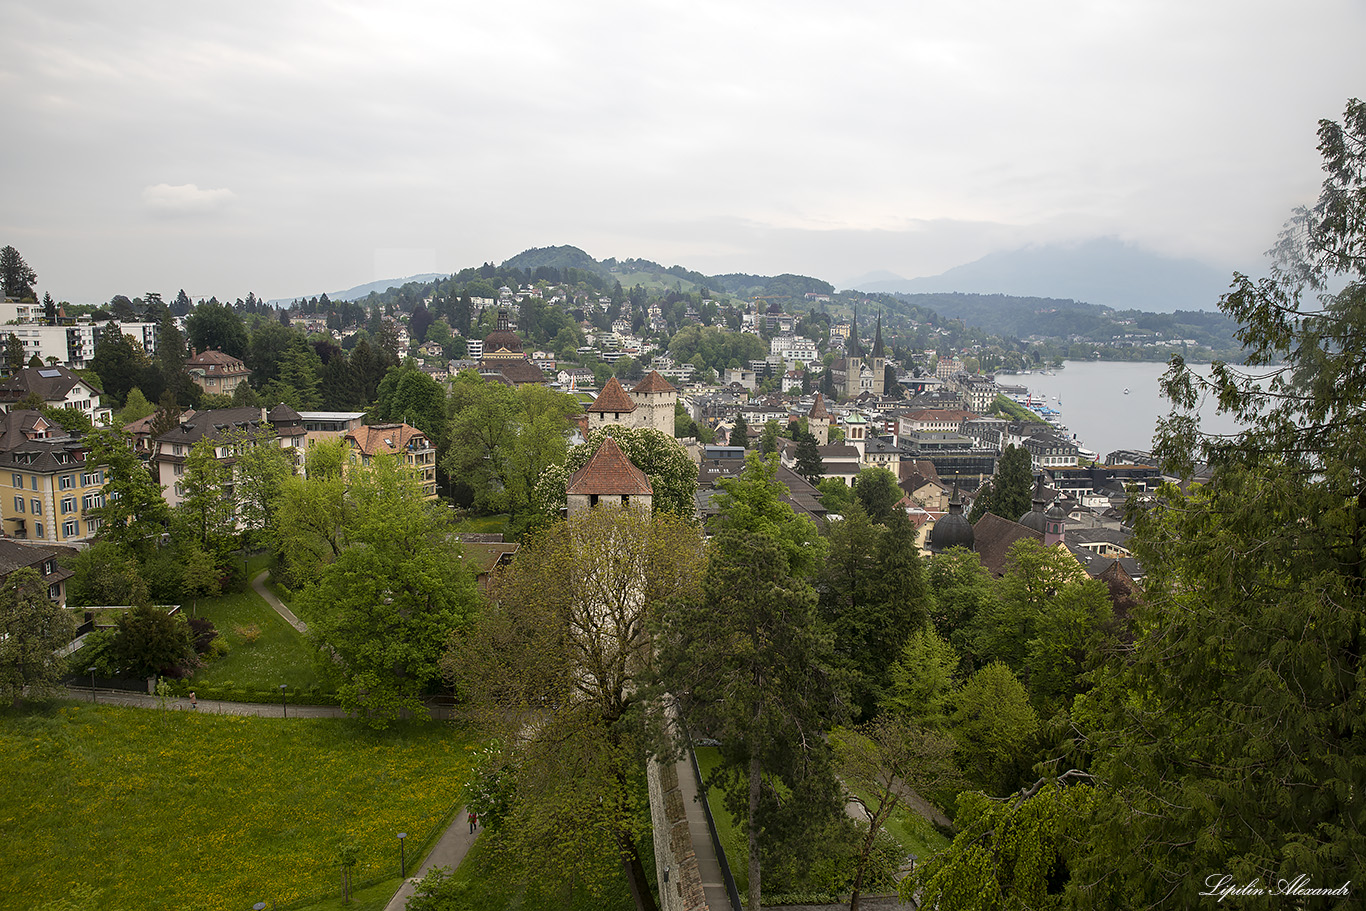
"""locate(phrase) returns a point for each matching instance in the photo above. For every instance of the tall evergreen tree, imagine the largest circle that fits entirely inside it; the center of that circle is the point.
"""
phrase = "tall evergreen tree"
(739, 434)
(16, 278)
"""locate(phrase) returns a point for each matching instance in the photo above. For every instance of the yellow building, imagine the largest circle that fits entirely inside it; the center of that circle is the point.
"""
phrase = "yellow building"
(402, 441)
(46, 487)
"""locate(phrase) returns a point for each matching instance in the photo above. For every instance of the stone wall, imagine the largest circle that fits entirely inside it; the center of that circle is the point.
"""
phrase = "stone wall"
(673, 842)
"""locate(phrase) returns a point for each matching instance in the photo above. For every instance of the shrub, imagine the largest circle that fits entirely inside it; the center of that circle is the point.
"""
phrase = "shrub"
(248, 632)
(202, 634)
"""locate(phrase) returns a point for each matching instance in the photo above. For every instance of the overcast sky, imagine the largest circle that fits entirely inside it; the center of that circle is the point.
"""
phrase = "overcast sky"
(291, 148)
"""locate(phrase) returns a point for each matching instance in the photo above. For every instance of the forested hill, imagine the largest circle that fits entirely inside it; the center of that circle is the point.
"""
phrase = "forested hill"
(1042, 317)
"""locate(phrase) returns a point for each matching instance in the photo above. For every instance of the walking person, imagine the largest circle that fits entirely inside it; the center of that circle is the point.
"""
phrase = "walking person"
(474, 821)
(194, 703)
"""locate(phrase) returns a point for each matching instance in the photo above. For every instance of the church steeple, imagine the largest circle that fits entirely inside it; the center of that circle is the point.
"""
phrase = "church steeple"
(877, 338)
(854, 350)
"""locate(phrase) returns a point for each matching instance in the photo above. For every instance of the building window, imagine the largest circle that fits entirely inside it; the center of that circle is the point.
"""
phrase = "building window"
(92, 479)
(71, 529)
(18, 504)
(55, 592)
(68, 504)
(92, 526)
(37, 529)
(92, 501)
(49, 567)
(34, 480)
(66, 482)
(37, 507)
(17, 480)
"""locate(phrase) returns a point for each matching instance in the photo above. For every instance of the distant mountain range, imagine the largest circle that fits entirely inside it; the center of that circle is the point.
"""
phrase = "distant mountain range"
(1105, 271)
(356, 293)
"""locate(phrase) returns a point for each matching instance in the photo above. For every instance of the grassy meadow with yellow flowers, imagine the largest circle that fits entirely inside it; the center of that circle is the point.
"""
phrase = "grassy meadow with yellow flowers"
(141, 810)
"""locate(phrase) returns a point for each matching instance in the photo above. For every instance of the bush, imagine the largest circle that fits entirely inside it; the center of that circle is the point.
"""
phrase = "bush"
(248, 632)
(202, 634)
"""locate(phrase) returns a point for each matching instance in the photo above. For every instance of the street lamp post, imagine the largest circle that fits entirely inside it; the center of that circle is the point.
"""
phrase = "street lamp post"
(402, 857)
(92, 683)
(284, 708)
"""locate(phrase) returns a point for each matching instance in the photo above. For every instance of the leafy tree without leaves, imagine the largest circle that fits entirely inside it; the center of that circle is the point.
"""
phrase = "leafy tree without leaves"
(32, 628)
(553, 671)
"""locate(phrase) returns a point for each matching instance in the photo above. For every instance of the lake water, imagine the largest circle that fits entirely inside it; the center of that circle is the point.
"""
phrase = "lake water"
(1090, 395)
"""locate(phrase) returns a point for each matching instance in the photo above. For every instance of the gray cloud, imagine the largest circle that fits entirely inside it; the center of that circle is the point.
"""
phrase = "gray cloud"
(184, 200)
(761, 136)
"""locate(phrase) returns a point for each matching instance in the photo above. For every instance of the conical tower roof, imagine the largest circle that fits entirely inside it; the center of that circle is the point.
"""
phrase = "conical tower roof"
(877, 338)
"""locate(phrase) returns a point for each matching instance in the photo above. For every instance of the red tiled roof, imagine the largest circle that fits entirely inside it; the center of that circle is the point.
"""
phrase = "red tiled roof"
(818, 408)
(613, 398)
(387, 438)
(609, 472)
(653, 383)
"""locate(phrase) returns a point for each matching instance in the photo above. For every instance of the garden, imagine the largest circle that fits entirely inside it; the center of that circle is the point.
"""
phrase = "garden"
(151, 809)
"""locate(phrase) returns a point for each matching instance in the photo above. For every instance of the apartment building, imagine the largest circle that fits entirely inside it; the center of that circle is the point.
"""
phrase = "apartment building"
(46, 486)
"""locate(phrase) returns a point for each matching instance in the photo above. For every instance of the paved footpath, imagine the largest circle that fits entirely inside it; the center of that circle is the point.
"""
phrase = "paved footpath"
(450, 850)
(259, 585)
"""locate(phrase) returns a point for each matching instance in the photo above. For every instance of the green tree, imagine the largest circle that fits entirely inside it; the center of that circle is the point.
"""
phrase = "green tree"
(751, 667)
(878, 493)
(768, 443)
(213, 325)
(16, 278)
(14, 353)
(1007, 853)
(672, 473)
(120, 363)
(105, 573)
(134, 513)
(995, 727)
(503, 440)
(809, 463)
(892, 760)
(836, 496)
(258, 475)
(1013, 484)
(408, 395)
(553, 670)
(923, 679)
(395, 593)
(206, 506)
(739, 434)
(135, 408)
(148, 640)
(1232, 741)
(32, 629)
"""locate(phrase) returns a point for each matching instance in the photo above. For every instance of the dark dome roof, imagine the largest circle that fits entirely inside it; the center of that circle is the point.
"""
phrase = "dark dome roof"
(954, 530)
(1033, 519)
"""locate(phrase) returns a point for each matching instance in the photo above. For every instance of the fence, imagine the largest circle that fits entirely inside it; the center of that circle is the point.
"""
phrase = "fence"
(731, 891)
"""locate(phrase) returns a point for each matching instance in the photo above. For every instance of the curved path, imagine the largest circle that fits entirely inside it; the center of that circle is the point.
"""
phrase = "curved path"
(449, 851)
(259, 586)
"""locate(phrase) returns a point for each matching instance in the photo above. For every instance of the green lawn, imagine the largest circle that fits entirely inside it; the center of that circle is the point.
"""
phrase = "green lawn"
(733, 838)
(488, 525)
(916, 834)
(279, 655)
(489, 881)
(212, 812)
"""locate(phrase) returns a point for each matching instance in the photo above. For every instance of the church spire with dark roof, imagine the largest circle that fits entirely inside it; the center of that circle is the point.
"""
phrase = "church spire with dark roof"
(877, 338)
(853, 349)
